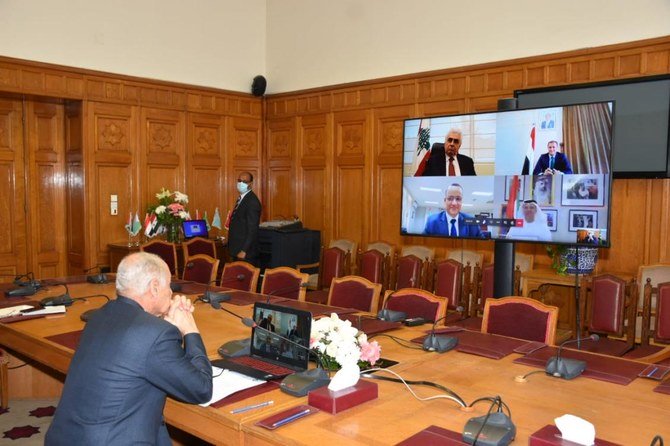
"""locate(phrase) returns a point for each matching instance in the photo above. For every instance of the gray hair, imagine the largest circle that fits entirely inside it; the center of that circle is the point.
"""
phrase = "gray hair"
(136, 271)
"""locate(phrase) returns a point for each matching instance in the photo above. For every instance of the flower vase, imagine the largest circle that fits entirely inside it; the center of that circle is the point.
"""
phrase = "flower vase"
(173, 233)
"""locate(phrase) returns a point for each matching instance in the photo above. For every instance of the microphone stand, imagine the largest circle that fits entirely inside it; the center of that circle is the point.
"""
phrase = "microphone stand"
(391, 315)
(440, 344)
(567, 368)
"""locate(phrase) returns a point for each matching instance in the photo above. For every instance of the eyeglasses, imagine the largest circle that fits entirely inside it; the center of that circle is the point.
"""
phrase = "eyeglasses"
(454, 140)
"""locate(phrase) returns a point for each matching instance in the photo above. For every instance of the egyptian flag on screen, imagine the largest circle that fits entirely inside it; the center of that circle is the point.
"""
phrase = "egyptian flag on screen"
(422, 152)
(529, 162)
(513, 202)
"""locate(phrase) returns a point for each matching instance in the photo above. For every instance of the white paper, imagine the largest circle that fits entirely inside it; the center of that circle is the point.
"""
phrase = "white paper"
(56, 309)
(13, 311)
(576, 429)
(228, 382)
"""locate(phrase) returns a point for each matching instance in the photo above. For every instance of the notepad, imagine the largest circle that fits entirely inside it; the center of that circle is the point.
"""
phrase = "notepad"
(13, 311)
(227, 382)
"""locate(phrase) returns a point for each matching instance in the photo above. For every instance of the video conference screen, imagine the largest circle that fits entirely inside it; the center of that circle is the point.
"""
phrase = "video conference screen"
(536, 175)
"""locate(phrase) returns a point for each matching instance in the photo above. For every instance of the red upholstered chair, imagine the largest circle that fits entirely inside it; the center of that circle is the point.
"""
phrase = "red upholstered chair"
(655, 343)
(201, 269)
(233, 271)
(374, 266)
(409, 273)
(199, 245)
(448, 275)
(354, 292)
(285, 282)
(610, 312)
(164, 250)
(415, 303)
(520, 317)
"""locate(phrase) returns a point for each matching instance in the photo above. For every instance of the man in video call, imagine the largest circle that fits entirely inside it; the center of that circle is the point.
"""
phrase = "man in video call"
(552, 162)
(445, 160)
(451, 221)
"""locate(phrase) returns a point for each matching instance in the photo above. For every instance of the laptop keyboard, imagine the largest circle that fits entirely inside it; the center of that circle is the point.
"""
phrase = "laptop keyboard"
(262, 365)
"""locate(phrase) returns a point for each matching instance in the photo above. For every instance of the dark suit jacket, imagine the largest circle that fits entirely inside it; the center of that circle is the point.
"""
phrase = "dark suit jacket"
(560, 163)
(126, 363)
(437, 162)
(243, 231)
(438, 224)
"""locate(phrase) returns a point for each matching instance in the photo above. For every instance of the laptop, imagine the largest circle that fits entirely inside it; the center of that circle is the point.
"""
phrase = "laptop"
(271, 355)
(194, 228)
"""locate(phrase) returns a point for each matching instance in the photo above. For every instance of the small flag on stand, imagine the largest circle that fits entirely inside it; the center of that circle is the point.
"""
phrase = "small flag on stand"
(209, 228)
(129, 224)
(136, 225)
(216, 220)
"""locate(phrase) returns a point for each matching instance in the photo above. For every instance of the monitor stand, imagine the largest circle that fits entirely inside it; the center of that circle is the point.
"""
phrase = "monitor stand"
(503, 269)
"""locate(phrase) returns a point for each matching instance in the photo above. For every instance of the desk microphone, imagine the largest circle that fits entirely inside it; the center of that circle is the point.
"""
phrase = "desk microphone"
(99, 278)
(567, 368)
(298, 383)
(63, 299)
(210, 296)
(437, 343)
(391, 315)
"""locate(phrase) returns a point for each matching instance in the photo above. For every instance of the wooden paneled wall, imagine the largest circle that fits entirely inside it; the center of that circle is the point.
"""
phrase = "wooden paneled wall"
(90, 135)
(343, 145)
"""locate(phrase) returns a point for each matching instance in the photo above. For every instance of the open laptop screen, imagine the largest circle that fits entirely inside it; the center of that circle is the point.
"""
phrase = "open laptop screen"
(290, 323)
(194, 228)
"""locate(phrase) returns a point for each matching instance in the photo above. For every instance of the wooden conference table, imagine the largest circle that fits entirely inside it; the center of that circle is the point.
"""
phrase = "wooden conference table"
(626, 414)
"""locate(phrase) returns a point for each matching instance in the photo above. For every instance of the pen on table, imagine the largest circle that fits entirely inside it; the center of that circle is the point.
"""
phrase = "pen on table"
(288, 419)
(253, 406)
(652, 372)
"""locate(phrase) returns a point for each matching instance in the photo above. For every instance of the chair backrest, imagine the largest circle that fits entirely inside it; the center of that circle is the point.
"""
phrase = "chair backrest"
(334, 262)
(606, 305)
(285, 282)
(415, 303)
(201, 268)
(656, 274)
(345, 245)
(373, 265)
(199, 245)
(409, 272)
(240, 275)
(165, 250)
(383, 247)
(448, 282)
(523, 261)
(422, 252)
(484, 289)
(354, 292)
(521, 317)
(662, 330)
(466, 256)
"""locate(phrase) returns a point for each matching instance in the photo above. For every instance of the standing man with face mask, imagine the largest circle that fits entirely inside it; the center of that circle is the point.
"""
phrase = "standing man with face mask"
(244, 221)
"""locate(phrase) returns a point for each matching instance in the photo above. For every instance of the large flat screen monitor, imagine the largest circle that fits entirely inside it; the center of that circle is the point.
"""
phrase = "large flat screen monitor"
(535, 175)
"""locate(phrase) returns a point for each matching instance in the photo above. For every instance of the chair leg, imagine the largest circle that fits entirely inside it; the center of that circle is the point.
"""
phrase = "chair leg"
(4, 380)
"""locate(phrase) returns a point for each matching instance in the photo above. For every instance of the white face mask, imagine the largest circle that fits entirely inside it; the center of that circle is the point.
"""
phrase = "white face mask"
(242, 187)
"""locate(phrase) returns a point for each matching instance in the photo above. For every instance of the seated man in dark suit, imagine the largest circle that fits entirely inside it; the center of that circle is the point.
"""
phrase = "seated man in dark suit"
(451, 221)
(445, 160)
(129, 358)
(552, 162)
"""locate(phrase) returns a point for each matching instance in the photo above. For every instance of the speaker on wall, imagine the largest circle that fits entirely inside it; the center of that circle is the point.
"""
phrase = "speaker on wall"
(258, 85)
(507, 104)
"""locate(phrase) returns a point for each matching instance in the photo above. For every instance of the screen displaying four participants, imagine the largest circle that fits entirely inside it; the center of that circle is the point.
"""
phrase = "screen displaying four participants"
(537, 175)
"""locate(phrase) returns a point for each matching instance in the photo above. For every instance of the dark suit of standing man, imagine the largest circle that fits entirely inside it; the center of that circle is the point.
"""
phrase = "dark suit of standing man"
(130, 357)
(560, 164)
(244, 221)
(440, 155)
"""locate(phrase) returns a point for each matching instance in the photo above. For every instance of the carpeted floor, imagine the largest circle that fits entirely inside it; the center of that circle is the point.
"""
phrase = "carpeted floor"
(25, 422)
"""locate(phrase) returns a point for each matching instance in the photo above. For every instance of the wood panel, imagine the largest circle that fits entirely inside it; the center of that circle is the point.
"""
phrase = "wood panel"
(163, 152)
(314, 178)
(45, 158)
(206, 165)
(75, 193)
(113, 138)
(12, 190)
(280, 170)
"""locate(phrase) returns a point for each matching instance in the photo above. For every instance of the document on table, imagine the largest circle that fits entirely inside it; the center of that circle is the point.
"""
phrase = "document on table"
(226, 382)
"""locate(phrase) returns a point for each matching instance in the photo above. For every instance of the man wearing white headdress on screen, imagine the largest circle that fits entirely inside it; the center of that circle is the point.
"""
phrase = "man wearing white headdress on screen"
(534, 224)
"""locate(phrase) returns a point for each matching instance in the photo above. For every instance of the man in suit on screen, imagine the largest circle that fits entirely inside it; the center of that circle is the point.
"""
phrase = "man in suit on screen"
(552, 162)
(244, 221)
(451, 221)
(445, 160)
(134, 351)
